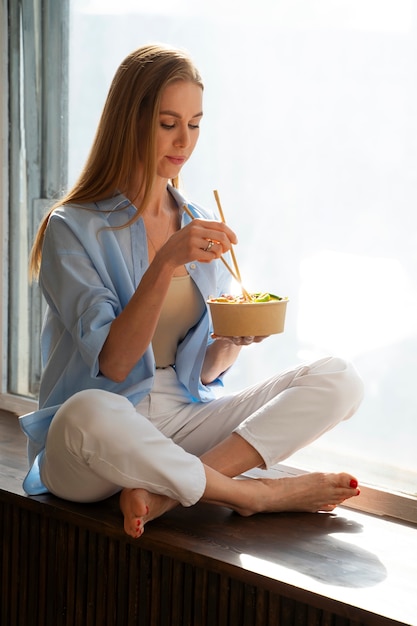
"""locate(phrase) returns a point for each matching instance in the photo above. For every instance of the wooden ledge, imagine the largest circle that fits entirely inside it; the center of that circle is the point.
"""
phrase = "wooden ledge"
(358, 568)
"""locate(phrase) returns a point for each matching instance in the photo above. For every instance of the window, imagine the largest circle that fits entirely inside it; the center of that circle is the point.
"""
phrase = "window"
(36, 109)
(309, 129)
(309, 135)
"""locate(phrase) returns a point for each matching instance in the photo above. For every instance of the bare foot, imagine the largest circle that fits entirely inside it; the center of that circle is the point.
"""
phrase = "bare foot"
(140, 506)
(307, 492)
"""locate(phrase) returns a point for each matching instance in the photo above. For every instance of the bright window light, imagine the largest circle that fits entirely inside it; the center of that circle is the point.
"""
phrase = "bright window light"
(310, 137)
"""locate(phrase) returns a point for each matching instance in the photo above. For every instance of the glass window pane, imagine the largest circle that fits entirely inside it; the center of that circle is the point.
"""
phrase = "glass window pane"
(309, 135)
(37, 167)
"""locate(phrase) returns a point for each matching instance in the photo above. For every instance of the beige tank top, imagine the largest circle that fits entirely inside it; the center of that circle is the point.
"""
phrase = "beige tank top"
(183, 307)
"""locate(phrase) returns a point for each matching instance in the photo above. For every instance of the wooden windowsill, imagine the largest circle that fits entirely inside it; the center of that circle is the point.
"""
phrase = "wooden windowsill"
(388, 504)
(353, 564)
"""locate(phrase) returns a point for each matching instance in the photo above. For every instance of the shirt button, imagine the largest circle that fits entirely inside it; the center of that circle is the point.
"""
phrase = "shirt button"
(192, 266)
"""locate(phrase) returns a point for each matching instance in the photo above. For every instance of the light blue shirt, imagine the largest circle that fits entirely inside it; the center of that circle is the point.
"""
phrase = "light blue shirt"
(90, 270)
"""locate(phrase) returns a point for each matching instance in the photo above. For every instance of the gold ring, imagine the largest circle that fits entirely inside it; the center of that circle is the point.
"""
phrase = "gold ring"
(209, 245)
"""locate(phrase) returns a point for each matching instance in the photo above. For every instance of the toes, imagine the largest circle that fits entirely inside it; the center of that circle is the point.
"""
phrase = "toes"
(349, 481)
(139, 528)
(328, 508)
(134, 527)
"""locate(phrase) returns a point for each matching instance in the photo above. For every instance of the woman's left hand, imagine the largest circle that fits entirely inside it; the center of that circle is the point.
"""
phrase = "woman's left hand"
(240, 341)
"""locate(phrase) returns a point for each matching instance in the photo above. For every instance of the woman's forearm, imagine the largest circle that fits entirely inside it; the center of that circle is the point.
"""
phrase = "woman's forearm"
(220, 355)
(132, 331)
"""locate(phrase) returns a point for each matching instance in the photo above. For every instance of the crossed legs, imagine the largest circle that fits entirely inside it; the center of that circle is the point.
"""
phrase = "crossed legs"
(98, 444)
(308, 492)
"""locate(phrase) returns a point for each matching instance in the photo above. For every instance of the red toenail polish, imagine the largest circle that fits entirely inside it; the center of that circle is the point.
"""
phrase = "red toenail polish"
(138, 523)
(353, 483)
(359, 492)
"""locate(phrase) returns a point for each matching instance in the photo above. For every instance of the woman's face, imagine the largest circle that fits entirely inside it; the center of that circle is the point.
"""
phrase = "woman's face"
(178, 130)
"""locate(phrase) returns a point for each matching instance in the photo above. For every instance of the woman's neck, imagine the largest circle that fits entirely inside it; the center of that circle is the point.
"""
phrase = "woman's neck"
(159, 202)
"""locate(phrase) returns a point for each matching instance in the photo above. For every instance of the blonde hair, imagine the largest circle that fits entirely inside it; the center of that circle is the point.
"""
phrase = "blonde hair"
(125, 135)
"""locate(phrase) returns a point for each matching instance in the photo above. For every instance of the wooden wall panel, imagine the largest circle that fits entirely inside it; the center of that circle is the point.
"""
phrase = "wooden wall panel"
(55, 573)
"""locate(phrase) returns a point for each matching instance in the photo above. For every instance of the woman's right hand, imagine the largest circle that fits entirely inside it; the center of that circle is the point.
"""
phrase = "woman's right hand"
(200, 240)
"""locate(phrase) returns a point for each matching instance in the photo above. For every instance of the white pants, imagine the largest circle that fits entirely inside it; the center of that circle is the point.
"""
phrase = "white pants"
(99, 443)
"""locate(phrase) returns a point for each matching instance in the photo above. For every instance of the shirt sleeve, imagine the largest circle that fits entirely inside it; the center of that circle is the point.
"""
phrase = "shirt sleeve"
(79, 288)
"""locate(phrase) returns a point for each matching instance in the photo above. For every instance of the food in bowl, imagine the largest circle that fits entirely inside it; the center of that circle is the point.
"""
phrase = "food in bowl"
(237, 316)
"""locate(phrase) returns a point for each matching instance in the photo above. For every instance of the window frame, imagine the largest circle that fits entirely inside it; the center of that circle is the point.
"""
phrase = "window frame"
(34, 172)
(8, 402)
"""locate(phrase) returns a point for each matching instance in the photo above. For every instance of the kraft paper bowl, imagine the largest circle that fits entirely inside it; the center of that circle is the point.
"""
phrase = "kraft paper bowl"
(248, 319)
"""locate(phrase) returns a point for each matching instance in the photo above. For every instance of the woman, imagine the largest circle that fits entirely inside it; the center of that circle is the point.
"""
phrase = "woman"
(127, 398)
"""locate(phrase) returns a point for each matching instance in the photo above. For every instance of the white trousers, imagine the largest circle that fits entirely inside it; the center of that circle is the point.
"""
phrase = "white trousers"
(99, 443)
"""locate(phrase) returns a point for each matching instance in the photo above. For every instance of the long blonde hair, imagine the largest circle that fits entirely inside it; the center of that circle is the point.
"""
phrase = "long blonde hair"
(125, 135)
